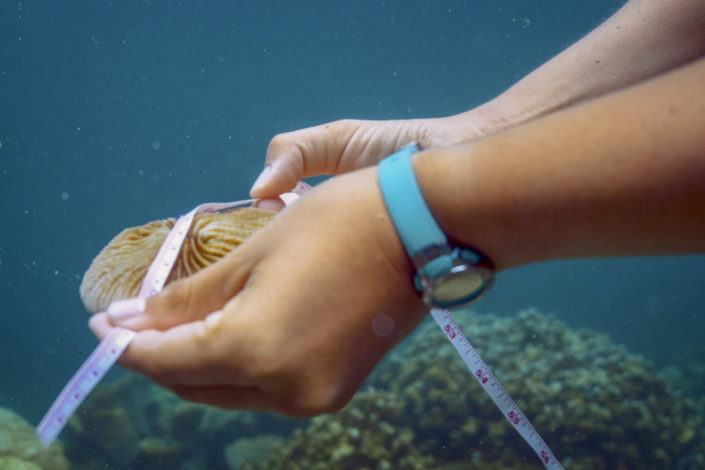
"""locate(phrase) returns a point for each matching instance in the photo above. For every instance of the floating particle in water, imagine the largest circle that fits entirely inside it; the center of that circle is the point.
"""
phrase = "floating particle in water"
(156, 145)
(65, 196)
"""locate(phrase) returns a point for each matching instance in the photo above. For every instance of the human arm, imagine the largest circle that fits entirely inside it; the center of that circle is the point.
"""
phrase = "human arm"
(290, 321)
(621, 175)
(642, 39)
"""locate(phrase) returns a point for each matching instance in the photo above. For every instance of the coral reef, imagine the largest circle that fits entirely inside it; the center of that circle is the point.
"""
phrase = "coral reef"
(254, 450)
(14, 463)
(133, 424)
(596, 405)
(367, 434)
(690, 373)
(20, 448)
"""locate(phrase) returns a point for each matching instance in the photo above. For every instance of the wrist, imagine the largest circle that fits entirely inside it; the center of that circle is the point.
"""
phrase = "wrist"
(447, 275)
(459, 191)
(512, 108)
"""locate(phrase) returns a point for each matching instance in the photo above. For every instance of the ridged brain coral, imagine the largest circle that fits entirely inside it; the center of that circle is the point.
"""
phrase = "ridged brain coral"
(118, 270)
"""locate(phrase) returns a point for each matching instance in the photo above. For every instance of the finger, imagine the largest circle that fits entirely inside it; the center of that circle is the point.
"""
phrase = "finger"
(306, 152)
(275, 204)
(180, 356)
(206, 352)
(191, 298)
(350, 144)
(213, 363)
(175, 356)
(100, 325)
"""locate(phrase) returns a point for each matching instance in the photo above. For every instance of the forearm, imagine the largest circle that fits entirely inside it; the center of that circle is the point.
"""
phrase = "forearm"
(620, 175)
(644, 38)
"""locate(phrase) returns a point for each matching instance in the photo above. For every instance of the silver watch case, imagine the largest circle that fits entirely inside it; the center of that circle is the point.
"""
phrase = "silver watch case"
(451, 277)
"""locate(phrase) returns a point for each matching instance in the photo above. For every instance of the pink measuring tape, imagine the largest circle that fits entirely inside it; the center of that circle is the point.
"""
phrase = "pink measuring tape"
(494, 389)
(109, 350)
(113, 345)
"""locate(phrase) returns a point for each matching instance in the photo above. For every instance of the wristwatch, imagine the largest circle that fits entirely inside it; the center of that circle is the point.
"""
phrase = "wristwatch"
(447, 276)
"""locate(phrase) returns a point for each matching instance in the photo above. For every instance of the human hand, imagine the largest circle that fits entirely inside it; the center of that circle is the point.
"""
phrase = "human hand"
(350, 144)
(291, 321)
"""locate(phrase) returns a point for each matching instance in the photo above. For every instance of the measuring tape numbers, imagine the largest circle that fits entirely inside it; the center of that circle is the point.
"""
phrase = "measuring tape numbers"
(83, 381)
(494, 388)
(116, 341)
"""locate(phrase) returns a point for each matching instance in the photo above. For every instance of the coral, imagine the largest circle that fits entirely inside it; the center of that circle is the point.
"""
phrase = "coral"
(155, 452)
(20, 448)
(255, 450)
(368, 434)
(690, 373)
(13, 463)
(594, 402)
(597, 405)
(133, 424)
(104, 429)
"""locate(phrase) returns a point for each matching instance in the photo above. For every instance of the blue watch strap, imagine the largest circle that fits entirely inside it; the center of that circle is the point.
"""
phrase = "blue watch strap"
(447, 276)
(413, 220)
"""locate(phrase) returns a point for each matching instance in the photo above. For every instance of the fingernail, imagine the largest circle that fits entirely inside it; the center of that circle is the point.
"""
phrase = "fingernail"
(262, 178)
(124, 309)
(270, 204)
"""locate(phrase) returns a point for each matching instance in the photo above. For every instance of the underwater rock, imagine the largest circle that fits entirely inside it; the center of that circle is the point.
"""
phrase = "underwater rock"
(20, 448)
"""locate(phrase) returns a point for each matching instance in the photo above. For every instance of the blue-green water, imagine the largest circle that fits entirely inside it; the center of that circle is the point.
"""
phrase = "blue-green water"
(116, 113)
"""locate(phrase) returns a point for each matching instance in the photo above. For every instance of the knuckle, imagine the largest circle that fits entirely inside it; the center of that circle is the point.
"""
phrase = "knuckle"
(177, 297)
(342, 124)
(280, 142)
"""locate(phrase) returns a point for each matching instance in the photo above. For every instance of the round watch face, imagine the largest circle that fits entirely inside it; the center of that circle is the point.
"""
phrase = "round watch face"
(459, 287)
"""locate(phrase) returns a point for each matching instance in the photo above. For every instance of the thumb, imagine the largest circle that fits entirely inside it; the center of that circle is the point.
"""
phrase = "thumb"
(294, 155)
(183, 301)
